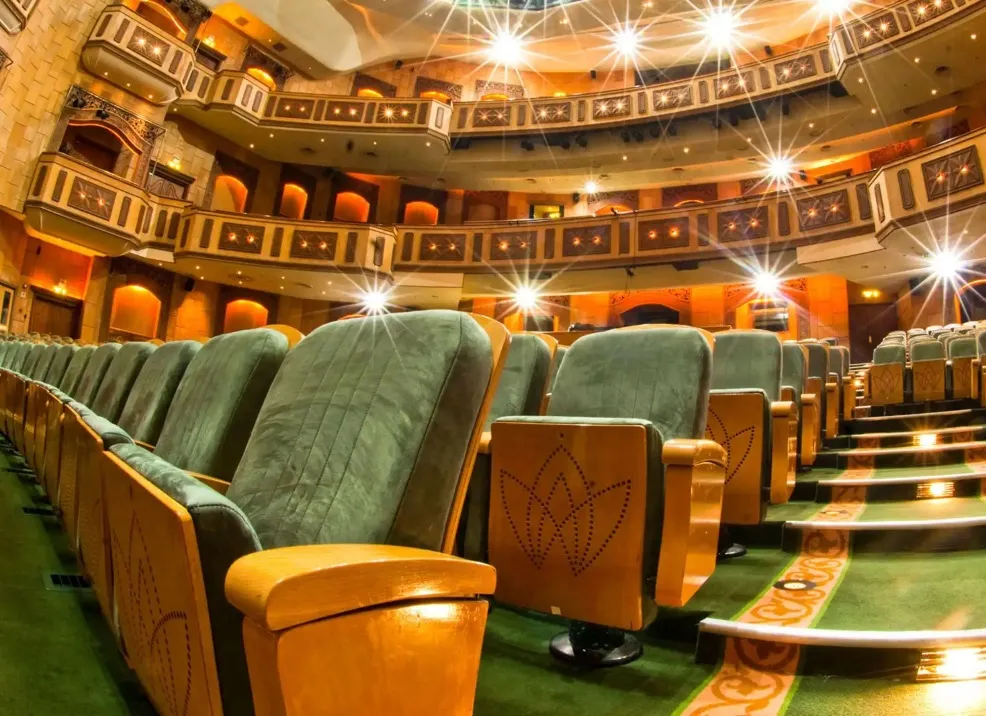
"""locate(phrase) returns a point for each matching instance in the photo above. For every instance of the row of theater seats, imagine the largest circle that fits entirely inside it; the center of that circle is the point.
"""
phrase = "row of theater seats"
(280, 512)
(936, 363)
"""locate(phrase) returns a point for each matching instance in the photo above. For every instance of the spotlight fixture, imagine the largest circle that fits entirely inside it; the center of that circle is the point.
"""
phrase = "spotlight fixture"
(375, 301)
(926, 439)
(766, 283)
(719, 26)
(590, 187)
(952, 664)
(101, 113)
(779, 169)
(625, 41)
(582, 140)
(505, 48)
(833, 8)
(527, 145)
(936, 490)
(945, 264)
(526, 298)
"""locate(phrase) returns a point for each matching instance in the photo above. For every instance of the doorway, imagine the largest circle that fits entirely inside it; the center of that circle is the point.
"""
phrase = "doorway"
(54, 316)
(868, 324)
(650, 313)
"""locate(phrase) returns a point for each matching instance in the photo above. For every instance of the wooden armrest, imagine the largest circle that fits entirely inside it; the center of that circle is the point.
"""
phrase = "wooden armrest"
(692, 452)
(831, 386)
(215, 483)
(846, 379)
(484, 442)
(282, 588)
(146, 446)
(781, 409)
(809, 399)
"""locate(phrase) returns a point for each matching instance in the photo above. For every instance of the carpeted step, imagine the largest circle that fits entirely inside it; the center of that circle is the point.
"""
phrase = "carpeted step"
(921, 421)
(905, 456)
(902, 438)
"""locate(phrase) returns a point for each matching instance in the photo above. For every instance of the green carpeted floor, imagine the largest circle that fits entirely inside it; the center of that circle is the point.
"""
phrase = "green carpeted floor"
(56, 654)
(933, 509)
(821, 696)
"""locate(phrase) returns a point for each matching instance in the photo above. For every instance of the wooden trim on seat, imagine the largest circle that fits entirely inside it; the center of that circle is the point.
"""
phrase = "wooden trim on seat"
(736, 421)
(220, 486)
(784, 450)
(293, 335)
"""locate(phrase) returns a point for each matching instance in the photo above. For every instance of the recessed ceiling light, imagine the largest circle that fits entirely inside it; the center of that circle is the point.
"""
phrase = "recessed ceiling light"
(873, 111)
(686, 150)
(590, 187)
(973, 36)
(196, 268)
(563, 21)
(625, 41)
(271, 135)
(779, 168)
(917, 59)
(624, 157)
(427, 144)
(251, 146)
(505, 47)
(719, 26)
(833, 8)
(860, 80)
(934, 91)
(811, 125)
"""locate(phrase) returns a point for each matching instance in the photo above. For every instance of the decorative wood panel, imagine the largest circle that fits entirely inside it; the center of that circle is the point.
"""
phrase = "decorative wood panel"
(906, 188)
(662, 234)
(148, 46)
(56, 191)
(40, 181)
(442, 247)
(877, 30)
(407, 246)
(783, 218)
(952, 173)
(863, 199)
(402, 113)
(91, 198)
(703, 230)
(624, 237)
(742, 225)
(793, 70)
(818, 212)
(124, 211)
(241, 237)
(184, 233)
(549, 244)
(512, 245)
(276, 241)
(923, 10)
(491, 117)
(673, 97)
(173, 224)
(611, 107)
(586, 241)
(314, 245)
(427, 84)
(485, 87)
(204, 238)
(878, 191)
(294, 109)
(477, 246)
(344, 112)
(351, 238)
(734, 84)
(674, 195)
(552, 112)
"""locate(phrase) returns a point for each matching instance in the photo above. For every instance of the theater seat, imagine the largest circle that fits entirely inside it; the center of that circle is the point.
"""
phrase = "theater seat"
(961, 354)
(37, 393)
(521, 391)
(330, 461)
(794, 365)
(47, 453)
(979, 366)
(818, 384)
(91, 433)
(928, 371)
(887, 374)
(107, 402)
(757, 430)
(848, 396)
(613, 488)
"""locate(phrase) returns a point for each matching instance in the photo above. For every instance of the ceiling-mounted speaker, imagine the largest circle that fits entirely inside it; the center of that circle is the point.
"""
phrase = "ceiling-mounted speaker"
(592, 74)
(575, 197)
(189, 284)
(768, 50)
(398, 64)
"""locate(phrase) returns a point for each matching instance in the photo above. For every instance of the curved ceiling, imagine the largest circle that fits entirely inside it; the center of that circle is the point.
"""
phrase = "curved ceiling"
(340, 35)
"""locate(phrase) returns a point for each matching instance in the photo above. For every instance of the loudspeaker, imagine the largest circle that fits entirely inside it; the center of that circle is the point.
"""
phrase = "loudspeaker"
(189, 284)
(592, 74)
(914, 284)
(768, 50)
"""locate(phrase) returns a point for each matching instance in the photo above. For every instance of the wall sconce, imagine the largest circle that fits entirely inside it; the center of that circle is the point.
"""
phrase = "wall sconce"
(60, 288)
(175, 163)
(209, 41)
(871, 293)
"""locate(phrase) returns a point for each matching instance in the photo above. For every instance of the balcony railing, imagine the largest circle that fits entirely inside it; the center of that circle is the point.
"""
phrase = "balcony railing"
(133, 54)
(946, 178)
(14, 14)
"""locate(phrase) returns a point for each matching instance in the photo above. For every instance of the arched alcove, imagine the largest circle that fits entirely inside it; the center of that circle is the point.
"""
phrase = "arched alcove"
(483, 212)
(135, 312)
(436, 95)
(229, 194)
(244, 314)
(610, 208)
(97, 144)
(161, 17)
(494, 97)
(368, 92)
(421, 213)
(351, 207)
(650, 313)
(262, 76)
(294, 201)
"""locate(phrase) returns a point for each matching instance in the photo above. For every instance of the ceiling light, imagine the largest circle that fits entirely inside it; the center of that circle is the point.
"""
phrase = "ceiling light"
(590, 187)
(626, 41)
(779, 169)
(945, 264)
(624, 157)
(719, 26)
(766, 283)
(505, 48)
(526, 298)
(833, 8)
(375, 301)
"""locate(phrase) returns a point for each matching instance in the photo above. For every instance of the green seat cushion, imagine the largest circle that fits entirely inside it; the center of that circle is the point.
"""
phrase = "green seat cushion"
(59, 364)
(522, 381)
(19, 355)
(818, 360)
(927, 350)
(110, 432)
(962, 348)
(150, 396)
(44, 362)
(34, 354)
(793, 370)
(559, 356)
(76, 368)
(658, 374)
(364, 433)
(88, 385)
(5, 347)
(223, 534)
(889, 353)
(748, 360)
(217, 401)
(119, 378)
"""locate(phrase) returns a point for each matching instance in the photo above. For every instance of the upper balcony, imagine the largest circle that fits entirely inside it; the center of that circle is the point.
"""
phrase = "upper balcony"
(132, 53)
(14, 14)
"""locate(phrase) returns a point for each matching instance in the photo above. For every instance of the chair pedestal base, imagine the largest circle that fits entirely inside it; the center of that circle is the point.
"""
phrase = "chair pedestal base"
(595, 646)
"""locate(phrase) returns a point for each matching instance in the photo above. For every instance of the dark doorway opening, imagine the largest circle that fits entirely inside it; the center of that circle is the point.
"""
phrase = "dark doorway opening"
(650, 313)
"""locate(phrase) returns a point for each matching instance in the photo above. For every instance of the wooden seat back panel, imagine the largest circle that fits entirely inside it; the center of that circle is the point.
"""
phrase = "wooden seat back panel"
(886, 383)
(736, 421)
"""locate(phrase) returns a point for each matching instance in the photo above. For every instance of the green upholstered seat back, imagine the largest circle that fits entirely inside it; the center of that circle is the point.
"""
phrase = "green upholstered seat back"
(120, 376)
(31, 359)
(522, 381)
(17, 355)
(92, 377)
(793, 369)
(818, 360)
(555, 364)
(76, 367)
(889, 353)
(59, 364)
(835, 362)
(5, 348)
(927, 350)
(217, 401)
(150, 396)
(44, 362)
(962, 347)
(748, 360)
(981, 343)
(831, 341)
(844, 352)
(657, 374)
(364, 433)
